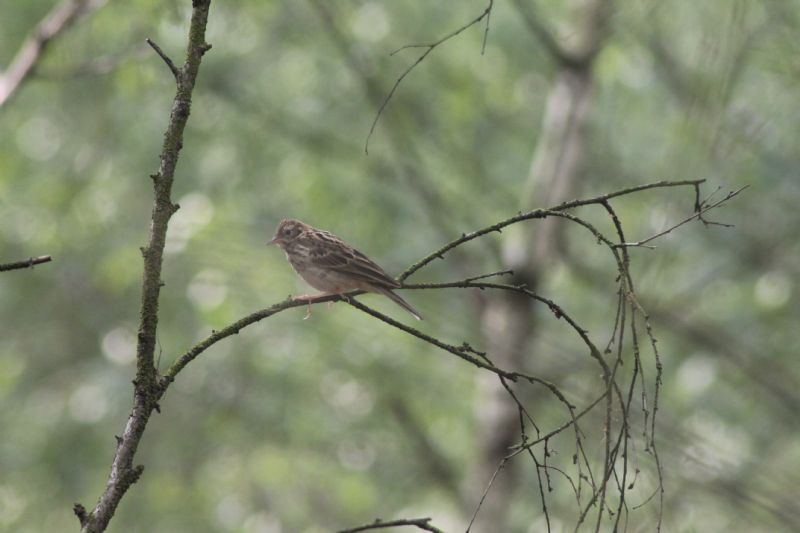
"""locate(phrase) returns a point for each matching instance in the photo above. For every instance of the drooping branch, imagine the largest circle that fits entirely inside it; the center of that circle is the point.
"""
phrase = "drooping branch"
(58, 20)
(471, 282)
(616, 445)
(403, 151)
(27, 263)
(428, 48)
(149, 389)
(701, 209)
(146, 391)
(464, 351)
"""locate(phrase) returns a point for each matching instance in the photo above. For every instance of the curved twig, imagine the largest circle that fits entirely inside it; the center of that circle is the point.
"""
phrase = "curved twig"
(428, 49)
(540, 213)
(149, 387)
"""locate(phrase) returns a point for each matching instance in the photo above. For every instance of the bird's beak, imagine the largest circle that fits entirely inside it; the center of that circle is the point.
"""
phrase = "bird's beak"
(273, 240)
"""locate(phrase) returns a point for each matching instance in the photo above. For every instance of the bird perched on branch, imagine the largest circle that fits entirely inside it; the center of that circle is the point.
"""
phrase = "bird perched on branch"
(329, 264)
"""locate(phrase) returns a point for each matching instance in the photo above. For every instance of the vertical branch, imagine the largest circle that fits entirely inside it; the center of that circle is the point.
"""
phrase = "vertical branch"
(146, 391)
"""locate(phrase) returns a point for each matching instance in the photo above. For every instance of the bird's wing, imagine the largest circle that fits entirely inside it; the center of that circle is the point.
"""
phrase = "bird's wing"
(329, 251)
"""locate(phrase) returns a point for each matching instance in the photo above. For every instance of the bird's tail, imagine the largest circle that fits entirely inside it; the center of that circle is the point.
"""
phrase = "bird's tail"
(399, 301)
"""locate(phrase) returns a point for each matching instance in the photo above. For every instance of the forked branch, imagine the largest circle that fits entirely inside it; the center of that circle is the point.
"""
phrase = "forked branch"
(146, 390)
(150, 387)
(614, 395)
(427, 49)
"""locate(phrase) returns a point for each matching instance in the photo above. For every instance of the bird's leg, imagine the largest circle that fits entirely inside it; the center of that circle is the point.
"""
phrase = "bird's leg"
(309, 299)
(313, 298)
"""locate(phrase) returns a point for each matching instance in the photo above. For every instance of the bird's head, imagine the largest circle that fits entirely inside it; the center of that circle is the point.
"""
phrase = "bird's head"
(287, 231)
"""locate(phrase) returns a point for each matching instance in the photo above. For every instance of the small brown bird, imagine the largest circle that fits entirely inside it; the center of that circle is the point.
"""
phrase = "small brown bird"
(332, 266)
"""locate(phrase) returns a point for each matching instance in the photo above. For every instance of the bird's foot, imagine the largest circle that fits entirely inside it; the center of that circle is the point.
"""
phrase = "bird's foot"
(308, 299)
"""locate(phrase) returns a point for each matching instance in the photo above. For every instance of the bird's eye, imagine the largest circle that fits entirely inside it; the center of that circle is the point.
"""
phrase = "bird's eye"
(287, 231)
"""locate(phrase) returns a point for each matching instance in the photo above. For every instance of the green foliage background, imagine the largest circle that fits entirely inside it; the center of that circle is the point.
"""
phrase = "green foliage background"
(289, 426)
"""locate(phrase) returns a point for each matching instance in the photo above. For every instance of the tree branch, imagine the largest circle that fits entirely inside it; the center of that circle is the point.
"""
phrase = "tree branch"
(701, 209)
(421, 523)
(467, 353)
(430, 47)
(27, 263)
(540, 213)
(170, 65)
(58, 20)
(146, 391)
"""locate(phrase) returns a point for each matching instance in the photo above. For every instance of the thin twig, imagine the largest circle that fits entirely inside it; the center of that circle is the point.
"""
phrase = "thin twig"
(531, 443)
(27, 263)
(486, 492)
(480, 359)
(539, 213)
(698, 215)
(428, 49)
(465, 351)
(175, 70)
(463, 282)
(421, 523)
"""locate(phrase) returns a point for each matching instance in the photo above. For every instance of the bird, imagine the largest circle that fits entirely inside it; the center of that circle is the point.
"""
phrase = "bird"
(332, 266)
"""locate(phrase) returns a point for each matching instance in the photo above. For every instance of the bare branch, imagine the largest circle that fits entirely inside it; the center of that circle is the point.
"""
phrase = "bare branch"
(698, 215)
(233, 329)
(146, 387)
(420, 523)
(149, 389)
(465, 351)
(58, 20)
(486, 492)
(428, 49)
(403, 152)
(531, 443)
(27, 263)
(539, 213)
(175, 71)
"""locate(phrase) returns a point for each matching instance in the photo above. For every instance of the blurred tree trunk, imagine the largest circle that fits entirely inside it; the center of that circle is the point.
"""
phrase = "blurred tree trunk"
(508, 320)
